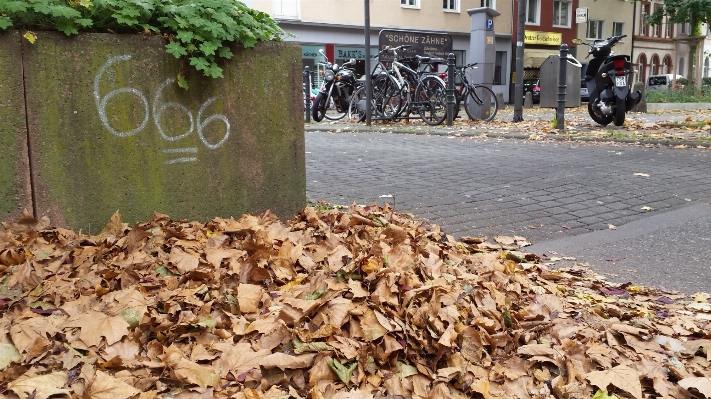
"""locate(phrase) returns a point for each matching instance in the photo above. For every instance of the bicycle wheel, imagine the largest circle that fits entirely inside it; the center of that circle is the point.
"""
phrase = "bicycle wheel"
(356, 108)
(386, 96)
(431, 100)
(481, 103)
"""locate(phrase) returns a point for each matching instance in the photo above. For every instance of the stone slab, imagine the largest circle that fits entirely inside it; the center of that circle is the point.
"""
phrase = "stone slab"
(109, 129)
(15, 185)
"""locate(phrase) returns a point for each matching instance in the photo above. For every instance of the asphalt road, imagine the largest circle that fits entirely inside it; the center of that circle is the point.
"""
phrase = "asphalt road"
(632, 213)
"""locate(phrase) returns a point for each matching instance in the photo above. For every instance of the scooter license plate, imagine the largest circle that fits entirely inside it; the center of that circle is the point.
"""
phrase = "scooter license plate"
(621, 81)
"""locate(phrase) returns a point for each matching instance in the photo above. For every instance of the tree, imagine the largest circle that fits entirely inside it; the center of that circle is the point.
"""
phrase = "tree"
(693, 12)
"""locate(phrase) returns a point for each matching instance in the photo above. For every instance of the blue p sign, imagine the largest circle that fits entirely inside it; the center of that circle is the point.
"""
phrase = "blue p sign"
(489, 24)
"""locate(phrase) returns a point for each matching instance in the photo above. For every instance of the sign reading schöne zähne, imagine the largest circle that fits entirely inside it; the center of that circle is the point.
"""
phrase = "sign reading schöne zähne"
(423, 43)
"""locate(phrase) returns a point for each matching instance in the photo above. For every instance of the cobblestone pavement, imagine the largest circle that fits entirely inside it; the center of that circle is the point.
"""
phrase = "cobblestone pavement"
(547, 191)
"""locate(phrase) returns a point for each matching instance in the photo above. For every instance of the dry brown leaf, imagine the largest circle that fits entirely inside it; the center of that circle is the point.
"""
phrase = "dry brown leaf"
(105, 386)
(701, 384)
(95, 325)
(41, 386)
(621, 376)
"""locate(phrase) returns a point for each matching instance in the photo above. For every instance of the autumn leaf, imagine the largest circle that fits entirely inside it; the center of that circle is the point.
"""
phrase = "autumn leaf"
(8, 354)
(344, 372)
(40, 387)
(701, 384)
(105, 386)
(620, 376)
(194, 373)
(248, 297)
(600, 394)
(95, 325)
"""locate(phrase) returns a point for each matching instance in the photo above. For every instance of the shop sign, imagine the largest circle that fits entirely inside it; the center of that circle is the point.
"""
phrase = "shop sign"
(549, 38)
(346, 53)
(423, 43)
(311, 52)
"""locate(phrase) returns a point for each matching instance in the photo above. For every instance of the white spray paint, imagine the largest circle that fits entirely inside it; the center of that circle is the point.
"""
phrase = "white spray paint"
(158, 109)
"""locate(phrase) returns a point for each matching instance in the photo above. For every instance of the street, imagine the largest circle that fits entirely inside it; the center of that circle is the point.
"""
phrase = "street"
(633, 213)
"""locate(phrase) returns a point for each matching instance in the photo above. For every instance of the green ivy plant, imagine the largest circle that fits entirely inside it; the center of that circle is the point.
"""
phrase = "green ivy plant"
(198, 31)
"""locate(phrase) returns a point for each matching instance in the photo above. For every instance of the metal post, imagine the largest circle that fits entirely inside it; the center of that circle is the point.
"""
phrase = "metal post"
(368, 82)
(518, 85)
(451, 100)
(562, 79)
(307, 93)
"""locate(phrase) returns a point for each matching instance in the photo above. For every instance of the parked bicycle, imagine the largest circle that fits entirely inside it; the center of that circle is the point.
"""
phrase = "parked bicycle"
(401, 90)
(480, 102)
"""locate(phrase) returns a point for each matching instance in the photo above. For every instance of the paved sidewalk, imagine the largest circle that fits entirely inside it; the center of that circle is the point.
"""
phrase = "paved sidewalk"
(674, 127)
(629, 201)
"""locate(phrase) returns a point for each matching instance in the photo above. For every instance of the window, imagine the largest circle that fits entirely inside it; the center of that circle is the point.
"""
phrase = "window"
(533, 12)
(618, 29)
(595, 29)
(410, 3)
(685, 28)
(643, 17)
(451, 5)
(489, 3)
(500, 68)
(285, 8)
(655, 64)
(561, 13)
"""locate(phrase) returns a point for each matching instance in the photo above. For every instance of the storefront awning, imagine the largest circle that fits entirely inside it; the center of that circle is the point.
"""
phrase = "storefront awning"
(534, 58)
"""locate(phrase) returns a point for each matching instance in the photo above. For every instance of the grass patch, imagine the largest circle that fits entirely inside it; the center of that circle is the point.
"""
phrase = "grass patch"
(685, 95)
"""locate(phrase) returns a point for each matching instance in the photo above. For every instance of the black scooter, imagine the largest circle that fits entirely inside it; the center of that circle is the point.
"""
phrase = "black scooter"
(608, 79)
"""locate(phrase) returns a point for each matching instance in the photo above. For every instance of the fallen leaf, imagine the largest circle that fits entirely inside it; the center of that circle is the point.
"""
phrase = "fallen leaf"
(41, 386)
(621, 376)
(701, 384)
(105, 386)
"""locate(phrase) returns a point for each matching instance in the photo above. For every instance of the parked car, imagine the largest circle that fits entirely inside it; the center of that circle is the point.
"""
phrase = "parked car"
(656, 82)
(584, 96)
(533, 86)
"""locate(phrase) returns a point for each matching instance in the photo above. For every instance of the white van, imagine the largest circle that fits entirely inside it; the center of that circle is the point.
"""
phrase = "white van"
(656, 82)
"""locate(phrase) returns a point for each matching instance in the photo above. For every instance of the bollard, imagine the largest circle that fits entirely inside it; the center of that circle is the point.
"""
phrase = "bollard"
(451, 100)
(307, 93)
(560, 111)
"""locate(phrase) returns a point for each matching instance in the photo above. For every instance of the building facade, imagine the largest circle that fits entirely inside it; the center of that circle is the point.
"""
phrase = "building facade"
(337, 28)
(606, 19)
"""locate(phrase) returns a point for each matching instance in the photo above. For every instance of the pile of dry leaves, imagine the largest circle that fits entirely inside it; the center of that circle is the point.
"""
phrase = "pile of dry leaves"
(362, 303)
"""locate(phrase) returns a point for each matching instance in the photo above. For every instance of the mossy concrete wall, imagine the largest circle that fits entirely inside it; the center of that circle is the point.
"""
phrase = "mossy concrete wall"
(109, 129)
(15, 187)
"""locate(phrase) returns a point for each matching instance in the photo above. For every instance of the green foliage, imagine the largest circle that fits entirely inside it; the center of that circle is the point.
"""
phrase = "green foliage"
(706, 81)
(685, 95)
(198, 31)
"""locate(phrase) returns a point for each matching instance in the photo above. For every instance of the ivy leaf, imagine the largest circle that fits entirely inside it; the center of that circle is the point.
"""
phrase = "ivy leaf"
(16, 6)
(344, 372)
(67, 27)
(176, 49)
(185, 36)
(30, 36)
(208, 48)
(5, 23)
(64, 12)
(213, 71)
(225, 52)
(200, 63)
(84, 22)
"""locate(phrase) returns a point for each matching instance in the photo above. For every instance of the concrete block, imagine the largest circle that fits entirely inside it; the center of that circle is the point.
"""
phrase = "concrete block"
(642, 104)
(500, 100)
(109, 129)
(528, 100)
(15, 185)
